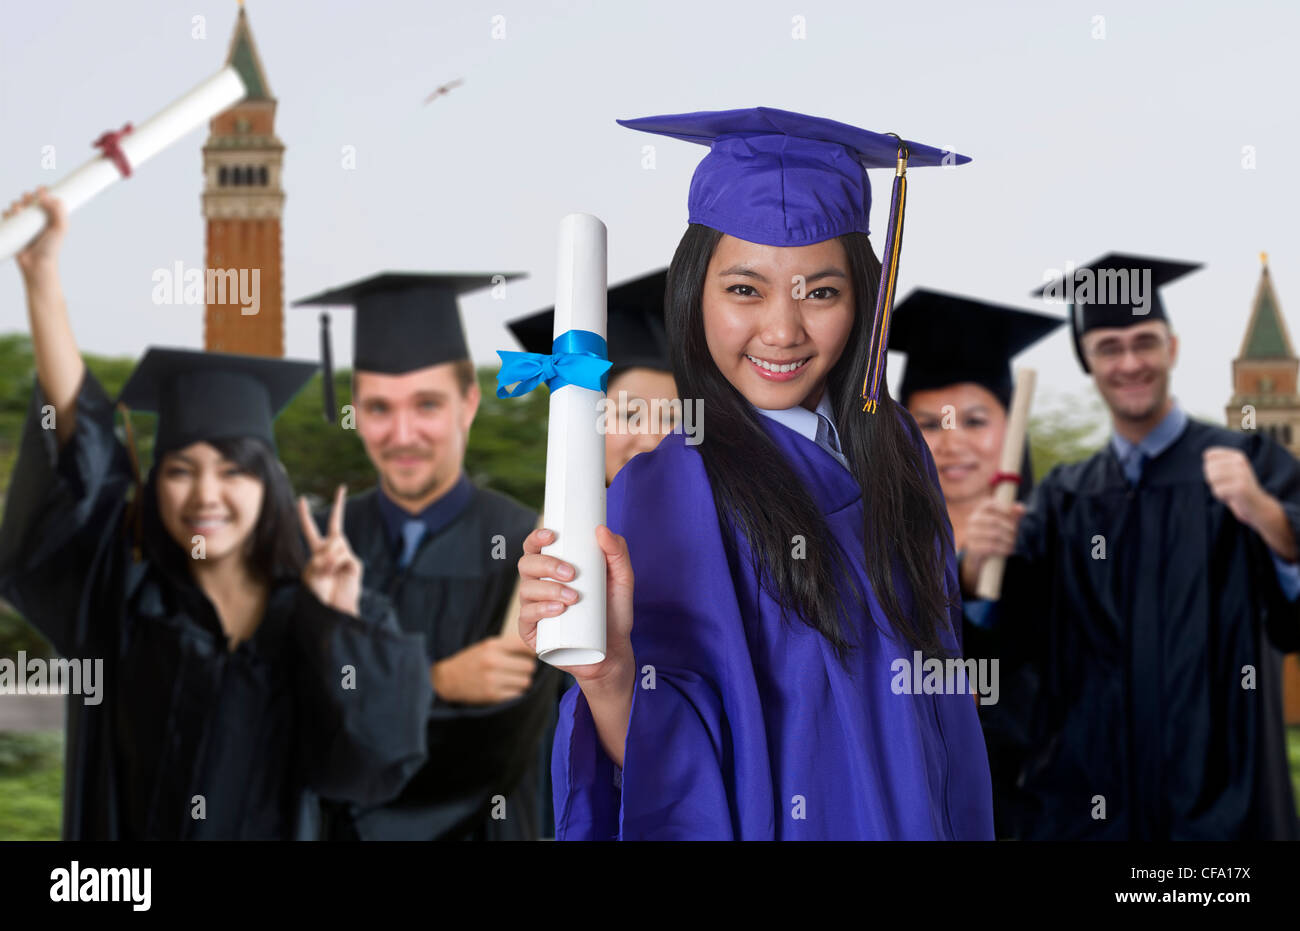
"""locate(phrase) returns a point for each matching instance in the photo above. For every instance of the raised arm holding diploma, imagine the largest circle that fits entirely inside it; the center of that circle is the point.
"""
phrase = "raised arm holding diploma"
(125, 150)
(570, 631)
(575, 448)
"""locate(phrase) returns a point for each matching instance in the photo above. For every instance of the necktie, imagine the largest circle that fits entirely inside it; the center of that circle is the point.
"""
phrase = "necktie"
(412, 533)
(1133, 468)
(826, 440)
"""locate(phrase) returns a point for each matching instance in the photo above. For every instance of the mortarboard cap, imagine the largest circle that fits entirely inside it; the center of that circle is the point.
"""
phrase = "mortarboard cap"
(404, 321)
(1116, 290)
(782, 178)
(203, 396)
(949, 339)
(635, 331)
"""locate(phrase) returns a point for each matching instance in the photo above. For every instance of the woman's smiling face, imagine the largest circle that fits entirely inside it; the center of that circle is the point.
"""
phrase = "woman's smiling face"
(201, 494)
(776, 319)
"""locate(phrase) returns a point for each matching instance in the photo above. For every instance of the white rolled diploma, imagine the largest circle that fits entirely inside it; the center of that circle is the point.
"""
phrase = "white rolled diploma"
(1013, 450)
(217, 93)
(575, 456)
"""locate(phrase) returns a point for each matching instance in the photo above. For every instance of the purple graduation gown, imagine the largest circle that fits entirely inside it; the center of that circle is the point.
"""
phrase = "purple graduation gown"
(754, 729)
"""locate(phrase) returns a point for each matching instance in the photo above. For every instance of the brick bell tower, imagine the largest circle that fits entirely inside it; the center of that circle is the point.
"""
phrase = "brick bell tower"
(243, 203)
(1264, 372)
(1264, 376)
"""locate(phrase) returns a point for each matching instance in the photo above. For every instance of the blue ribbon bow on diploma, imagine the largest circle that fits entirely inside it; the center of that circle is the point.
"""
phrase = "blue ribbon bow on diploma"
(578, 357)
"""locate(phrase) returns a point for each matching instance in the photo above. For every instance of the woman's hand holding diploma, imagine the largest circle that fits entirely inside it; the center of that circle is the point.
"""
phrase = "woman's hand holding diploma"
(39, 261)
(990, 531)
(607, 685)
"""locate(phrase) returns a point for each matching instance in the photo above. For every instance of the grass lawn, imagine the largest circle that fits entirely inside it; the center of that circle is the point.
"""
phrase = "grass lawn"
(31, 785)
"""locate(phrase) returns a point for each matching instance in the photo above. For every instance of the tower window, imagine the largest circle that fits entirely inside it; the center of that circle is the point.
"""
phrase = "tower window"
(223, 176)
(262, 176)
(1286, 434)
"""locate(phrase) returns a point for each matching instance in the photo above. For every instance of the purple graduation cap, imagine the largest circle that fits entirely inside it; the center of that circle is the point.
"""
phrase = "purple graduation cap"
(1116, 290)
(787, 179)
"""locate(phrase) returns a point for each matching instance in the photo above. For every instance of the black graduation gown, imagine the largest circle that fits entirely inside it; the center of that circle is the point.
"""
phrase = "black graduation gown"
(1139, 656)
(455, 593)
(257, 731)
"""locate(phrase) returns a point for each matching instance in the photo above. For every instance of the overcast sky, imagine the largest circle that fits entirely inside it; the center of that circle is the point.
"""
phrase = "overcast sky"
(1093, 126)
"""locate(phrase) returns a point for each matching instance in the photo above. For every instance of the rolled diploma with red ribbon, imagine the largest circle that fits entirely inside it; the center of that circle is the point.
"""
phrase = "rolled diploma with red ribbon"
(575, 455)
(1013, 450)
(136, 146)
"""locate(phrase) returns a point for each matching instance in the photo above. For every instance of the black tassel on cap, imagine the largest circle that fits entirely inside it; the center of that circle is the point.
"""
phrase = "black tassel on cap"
(327, 369)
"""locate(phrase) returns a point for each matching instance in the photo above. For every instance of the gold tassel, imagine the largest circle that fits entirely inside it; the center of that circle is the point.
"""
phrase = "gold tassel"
(889, 282)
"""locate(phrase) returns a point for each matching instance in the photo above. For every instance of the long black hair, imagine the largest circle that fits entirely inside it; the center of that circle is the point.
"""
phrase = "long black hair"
(275, 552)
(905, 528)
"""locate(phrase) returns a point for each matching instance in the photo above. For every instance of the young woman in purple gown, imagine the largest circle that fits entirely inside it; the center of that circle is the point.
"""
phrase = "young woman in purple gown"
(793, 568)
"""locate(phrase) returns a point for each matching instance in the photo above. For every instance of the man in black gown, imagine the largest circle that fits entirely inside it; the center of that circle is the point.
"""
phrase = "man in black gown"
(1151, 587)
(445, 551)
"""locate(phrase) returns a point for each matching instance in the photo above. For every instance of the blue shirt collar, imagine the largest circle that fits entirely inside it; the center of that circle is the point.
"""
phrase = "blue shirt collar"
(1161, 437)
(803, 421)
(435, 517)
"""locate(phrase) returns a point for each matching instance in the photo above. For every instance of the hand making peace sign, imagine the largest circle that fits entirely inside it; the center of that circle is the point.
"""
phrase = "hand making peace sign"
(333, 572)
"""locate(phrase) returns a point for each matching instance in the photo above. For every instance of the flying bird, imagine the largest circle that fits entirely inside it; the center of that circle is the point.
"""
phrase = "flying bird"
(444, 89)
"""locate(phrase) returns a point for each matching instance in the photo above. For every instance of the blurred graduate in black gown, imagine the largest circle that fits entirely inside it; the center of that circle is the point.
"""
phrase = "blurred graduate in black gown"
(1151, 587)
(445, 550)
(242, 674)
(957, 384)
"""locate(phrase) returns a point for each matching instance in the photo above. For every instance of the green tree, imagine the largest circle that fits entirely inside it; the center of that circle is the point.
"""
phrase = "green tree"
(1065, 428)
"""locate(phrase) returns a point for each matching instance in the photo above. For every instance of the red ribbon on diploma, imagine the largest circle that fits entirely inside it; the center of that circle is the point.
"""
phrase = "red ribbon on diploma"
(1000, 477)
(108, 144)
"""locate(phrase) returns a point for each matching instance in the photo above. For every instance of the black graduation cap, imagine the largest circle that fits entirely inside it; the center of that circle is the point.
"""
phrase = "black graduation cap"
(634, 333)
(1116, 290)
(949, 338)
(212, 395)
(404, 321)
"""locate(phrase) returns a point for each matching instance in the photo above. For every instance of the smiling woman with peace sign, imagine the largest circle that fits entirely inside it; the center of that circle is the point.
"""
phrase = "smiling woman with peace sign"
(238, 677)
(332, 572)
